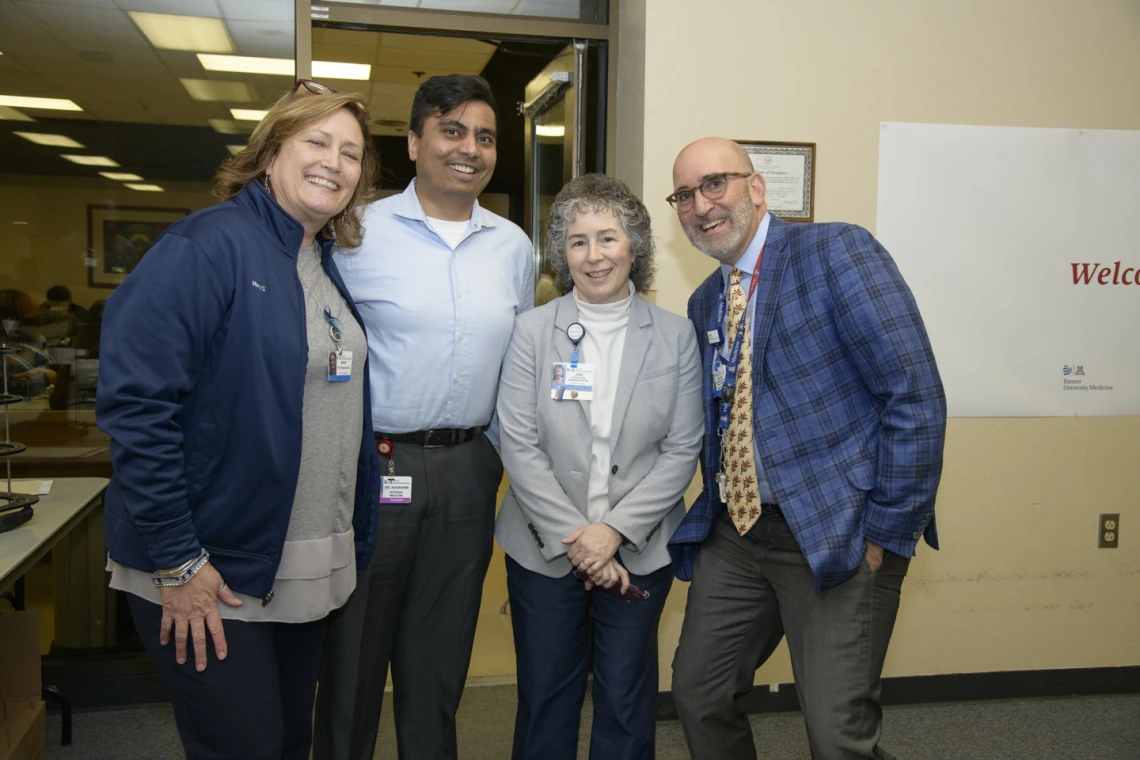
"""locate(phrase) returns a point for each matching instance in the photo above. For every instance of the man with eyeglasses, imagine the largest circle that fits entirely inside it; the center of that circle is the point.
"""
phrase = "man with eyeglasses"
(825, 420)
(438, 280)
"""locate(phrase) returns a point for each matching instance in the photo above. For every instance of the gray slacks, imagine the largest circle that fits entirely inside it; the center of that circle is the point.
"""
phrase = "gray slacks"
(415, 608)
(747, 593)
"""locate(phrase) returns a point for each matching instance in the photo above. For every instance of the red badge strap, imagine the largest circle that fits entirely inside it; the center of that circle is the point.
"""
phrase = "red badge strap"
(384, 447)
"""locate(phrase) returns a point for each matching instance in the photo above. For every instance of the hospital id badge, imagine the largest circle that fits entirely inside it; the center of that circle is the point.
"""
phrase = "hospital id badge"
(575, 383)
(719, 373)
(396, 489)
(340, 367)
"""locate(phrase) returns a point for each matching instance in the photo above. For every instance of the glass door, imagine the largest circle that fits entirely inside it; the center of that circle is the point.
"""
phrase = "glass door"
(555, 117)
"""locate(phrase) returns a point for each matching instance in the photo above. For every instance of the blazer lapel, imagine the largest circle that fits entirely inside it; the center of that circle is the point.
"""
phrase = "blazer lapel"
(772, 269)
(637, 335)
(566, 315)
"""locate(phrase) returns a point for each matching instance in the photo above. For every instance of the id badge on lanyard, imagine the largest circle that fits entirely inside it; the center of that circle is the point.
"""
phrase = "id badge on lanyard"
(340, 361)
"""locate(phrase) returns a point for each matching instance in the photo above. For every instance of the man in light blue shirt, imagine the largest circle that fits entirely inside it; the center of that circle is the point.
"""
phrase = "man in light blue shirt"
(438, 281)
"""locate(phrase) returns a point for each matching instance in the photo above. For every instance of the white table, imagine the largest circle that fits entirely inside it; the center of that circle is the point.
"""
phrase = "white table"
(70, 502)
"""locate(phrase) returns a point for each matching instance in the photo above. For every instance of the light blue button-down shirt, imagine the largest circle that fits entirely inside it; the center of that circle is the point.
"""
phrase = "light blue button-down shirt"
(746, 264)
(438, 320)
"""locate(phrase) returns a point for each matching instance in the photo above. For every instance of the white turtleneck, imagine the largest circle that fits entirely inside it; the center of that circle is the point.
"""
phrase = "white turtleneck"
(602, 346)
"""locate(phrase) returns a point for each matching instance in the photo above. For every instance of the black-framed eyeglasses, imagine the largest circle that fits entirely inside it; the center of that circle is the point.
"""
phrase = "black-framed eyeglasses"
(712, 188)
(314, 87)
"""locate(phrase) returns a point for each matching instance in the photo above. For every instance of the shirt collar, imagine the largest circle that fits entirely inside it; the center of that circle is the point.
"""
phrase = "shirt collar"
(409, 207)
(747, 260)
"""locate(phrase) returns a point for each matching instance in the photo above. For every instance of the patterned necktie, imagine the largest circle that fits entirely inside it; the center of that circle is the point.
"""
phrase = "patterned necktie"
(737, 453)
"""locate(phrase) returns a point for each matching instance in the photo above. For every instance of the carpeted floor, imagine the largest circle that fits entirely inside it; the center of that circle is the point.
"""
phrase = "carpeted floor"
(1080, 728)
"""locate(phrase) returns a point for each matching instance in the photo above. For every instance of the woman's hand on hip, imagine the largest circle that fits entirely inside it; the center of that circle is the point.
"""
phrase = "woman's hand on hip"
(191, 610)
(592, 546)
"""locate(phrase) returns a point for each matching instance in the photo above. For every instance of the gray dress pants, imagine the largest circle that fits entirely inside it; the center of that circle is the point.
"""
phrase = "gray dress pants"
(415, 608)
(747, 593)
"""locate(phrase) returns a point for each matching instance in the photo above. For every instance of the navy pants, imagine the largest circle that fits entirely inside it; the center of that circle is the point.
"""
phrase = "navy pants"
(559, 627)
(257, 704)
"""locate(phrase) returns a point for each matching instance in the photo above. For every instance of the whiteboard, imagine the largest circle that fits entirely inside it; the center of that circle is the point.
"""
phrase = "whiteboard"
(1022, 247)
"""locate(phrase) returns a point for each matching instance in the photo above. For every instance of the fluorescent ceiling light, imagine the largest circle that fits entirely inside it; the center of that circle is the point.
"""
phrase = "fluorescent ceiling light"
(210, 90)
(244, 64)
(121, 176)
(91, 160)
(550, 130)
(248, 114)
(169, 32)
(337, 70)
(59, 141)
(235, 149)
(50, 104)
(146, 188)
(11, 114)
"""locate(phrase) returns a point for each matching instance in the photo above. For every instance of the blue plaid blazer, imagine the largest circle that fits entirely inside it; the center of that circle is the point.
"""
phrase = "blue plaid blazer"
(849, 414)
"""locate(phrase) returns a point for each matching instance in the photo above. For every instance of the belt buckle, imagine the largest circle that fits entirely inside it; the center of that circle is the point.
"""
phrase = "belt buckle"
(427, 441)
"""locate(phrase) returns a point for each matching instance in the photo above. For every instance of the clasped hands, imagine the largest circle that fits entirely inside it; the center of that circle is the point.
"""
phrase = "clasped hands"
(592, 550)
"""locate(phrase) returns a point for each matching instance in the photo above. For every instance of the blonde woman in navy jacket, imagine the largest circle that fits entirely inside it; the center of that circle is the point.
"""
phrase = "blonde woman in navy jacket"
(596, 485)
(245, 486)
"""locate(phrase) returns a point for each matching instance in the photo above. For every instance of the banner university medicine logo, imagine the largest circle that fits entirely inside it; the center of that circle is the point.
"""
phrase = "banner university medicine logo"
(1077, 369)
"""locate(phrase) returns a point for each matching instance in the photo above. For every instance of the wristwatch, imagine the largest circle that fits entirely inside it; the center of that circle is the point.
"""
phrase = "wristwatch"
(178, 576)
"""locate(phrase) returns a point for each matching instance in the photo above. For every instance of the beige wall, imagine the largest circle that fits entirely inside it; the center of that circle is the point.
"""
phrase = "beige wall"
(1019, 583)
(43, 229)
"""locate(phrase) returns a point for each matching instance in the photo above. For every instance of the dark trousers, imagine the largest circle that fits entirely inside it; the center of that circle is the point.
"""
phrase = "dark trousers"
(257, 703)
(554, 620)
(747, 593)
(415, 608)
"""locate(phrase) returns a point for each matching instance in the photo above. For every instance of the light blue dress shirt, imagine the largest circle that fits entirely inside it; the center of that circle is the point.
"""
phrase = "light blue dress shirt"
(438, 320)
(746, 264)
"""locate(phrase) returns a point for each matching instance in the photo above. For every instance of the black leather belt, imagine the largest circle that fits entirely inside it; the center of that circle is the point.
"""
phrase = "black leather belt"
(431, 439)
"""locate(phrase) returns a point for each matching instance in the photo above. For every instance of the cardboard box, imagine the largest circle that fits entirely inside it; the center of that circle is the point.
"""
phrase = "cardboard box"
(21, 708)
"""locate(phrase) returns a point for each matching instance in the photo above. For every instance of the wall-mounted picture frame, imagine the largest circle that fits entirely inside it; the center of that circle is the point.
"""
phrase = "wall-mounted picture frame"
(788, 169)
(119, 236)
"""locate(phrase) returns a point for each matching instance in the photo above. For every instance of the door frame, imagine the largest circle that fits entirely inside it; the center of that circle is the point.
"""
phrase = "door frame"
(466, 25)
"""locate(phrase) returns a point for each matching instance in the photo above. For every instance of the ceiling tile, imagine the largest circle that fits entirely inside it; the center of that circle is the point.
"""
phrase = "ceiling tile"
(15, 24)
(20, 83)
(400, 75)
(8, 64)
(419, 61)
(267, 39)
(344, 53)
(387, 90)
(43, 47)
(393, 40)
(51, 15)
(259, 10)
(207, 8)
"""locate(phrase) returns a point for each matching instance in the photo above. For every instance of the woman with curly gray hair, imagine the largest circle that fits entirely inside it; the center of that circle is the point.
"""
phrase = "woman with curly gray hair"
(598, 465)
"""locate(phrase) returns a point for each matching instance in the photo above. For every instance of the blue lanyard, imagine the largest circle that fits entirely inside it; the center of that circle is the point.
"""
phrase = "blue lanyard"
(335, 331)
(728, 392)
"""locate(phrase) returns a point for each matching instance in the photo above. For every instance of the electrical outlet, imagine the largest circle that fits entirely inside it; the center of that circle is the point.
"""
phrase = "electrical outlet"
(1108, 534)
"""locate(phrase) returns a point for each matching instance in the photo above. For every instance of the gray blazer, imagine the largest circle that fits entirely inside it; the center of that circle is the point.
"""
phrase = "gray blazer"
(658, 427)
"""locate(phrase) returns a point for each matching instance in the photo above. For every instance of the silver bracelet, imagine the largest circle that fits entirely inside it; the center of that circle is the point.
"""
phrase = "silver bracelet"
(180, 575)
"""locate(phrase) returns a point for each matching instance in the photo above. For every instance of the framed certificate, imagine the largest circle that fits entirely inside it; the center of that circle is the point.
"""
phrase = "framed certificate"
(788, 169)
